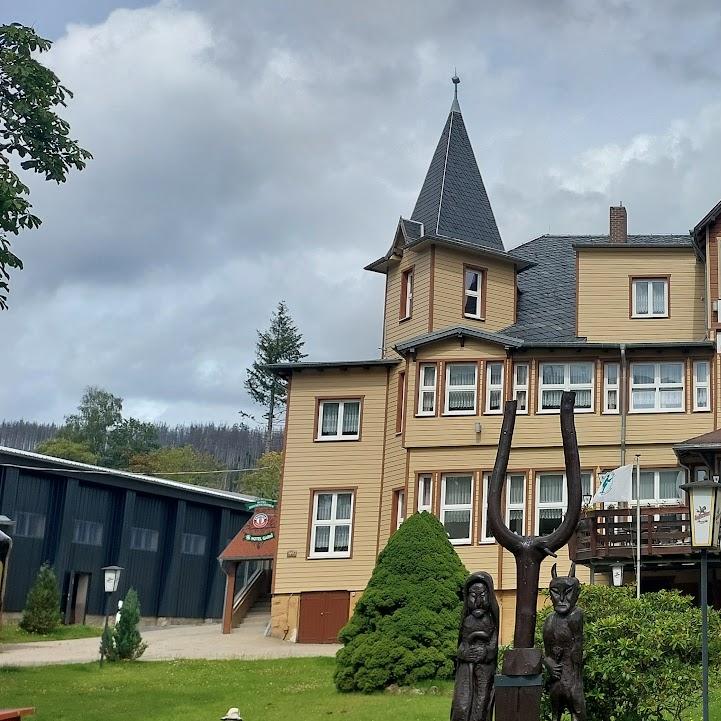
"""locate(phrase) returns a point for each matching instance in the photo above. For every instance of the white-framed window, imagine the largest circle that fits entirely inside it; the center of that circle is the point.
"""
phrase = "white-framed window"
(461, 382)
(457, 506)
(427, 389)
(331, 524)
(193, 544)
(657, 387)
(552, 499)
(339, 420)
(659, 487)
(29, 525)
(494, 387)
(520, 387)
(425, 493)
(473, 288)
(516, 502)
(554, 378)
(701, 394)
(146, 539)
(611, 388)
(485, 535)
(407, 294)
(649, 298)
(400, 510)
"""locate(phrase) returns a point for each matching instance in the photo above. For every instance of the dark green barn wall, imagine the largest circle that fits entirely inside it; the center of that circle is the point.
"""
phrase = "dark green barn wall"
(170, 583)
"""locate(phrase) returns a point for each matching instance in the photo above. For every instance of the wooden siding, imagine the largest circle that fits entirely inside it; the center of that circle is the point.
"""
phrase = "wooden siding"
(331, 465)
(448, 291)
(604, 294)
(395, 329)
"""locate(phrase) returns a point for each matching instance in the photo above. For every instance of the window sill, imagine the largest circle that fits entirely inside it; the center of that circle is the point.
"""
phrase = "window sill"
(655, 411)
(487, 542)
(403, 320)
(555, 412)
(425, 415)
(331, 439)
(701, 410)
(650, 317)
(449, 414)
(610, 413)
(328, 556)
(460, 541)
(499, 412)
(474, 317)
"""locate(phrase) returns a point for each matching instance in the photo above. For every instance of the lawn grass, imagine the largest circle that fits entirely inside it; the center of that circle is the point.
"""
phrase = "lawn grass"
(278, 690)
(298, 689)
(12, 633)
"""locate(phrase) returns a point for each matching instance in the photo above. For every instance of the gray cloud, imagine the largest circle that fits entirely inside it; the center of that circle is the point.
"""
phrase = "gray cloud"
(250, 152)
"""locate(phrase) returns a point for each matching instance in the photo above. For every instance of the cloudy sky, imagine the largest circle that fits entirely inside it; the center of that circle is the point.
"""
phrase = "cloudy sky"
(247, 151)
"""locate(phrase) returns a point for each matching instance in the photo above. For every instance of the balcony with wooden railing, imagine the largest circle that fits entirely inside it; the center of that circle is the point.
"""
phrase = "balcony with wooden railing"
(609, 536)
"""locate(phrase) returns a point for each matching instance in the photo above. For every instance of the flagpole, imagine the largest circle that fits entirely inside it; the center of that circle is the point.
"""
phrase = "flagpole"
(638, 526)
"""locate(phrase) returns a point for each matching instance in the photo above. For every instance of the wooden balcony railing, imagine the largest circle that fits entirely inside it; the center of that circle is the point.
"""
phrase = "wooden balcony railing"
(611, 534)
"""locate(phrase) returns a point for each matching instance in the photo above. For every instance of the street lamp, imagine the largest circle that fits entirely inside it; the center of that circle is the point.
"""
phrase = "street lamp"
(704, 506)
(111, 577)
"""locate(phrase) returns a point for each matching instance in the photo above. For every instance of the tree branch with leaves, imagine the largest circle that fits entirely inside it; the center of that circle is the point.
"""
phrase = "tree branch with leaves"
(31, 133)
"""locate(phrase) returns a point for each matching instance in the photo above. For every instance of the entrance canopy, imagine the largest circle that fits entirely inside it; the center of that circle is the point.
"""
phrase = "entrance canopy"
(702, 451)
(257, 539)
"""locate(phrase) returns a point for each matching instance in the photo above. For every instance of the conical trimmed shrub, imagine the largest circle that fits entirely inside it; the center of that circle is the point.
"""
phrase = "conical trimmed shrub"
(405, 626)
(42, 606)
(126, 643)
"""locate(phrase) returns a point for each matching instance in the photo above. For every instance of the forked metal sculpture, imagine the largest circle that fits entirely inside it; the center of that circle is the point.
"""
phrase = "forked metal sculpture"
(518, 689)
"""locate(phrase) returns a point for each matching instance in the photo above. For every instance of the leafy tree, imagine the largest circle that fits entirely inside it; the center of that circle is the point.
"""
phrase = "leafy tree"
(123, 642)
(98, 412)
(42, 607)
(265, 482)
(127, 439)
(282, 342)
(405, 626)
(31, 132)
(60, 447)
(184, 458)
(642, 657)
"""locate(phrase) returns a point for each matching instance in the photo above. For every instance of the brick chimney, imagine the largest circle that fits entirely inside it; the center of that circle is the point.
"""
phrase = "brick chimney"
(618, 224)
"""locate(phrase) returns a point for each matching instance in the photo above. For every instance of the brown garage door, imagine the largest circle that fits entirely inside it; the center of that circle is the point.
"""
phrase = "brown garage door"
(322, 615)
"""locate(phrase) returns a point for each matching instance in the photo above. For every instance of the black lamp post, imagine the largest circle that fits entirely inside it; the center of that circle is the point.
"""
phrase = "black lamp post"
(111, 577)
(704, 505)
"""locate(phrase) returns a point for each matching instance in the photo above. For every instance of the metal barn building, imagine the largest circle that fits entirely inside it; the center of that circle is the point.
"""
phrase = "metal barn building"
(166, 535)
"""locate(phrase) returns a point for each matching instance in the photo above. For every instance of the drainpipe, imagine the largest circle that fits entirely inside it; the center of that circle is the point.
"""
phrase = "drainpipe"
(623, 402)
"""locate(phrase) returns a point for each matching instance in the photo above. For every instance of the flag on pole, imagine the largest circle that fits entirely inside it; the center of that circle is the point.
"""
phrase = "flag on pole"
(615, 486)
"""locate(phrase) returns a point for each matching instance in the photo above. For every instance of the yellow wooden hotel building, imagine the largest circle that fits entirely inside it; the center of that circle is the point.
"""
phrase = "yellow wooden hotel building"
(629, 322)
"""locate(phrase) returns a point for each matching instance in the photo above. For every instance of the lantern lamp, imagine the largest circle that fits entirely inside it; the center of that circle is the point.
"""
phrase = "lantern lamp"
(112, 578)
(705, 510)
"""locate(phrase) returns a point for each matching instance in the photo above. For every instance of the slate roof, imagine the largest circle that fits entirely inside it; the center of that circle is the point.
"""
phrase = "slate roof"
(458, 332)
(453, 201)
(547, 291)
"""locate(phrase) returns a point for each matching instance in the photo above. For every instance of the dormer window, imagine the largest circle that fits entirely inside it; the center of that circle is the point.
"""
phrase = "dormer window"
(649, 298)
(474, 305)
(406, 309)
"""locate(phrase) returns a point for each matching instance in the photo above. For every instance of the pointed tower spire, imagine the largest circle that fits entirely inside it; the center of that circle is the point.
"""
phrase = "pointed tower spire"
(453, 202)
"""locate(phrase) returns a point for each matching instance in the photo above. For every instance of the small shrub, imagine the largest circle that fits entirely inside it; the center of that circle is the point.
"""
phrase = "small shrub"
(642, 657)
(123, 642)
(405, 626)
(42, 607)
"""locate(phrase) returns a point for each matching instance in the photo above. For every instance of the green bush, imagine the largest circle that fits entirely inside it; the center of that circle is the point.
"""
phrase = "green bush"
(42, 607)
(123, 642)
(642, 658)
(405, 626)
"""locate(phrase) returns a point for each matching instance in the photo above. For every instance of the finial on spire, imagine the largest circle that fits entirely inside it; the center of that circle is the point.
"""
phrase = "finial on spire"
(455, 107)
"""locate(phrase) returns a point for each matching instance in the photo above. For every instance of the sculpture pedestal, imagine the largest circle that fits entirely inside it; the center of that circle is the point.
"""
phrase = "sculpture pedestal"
(519, 687)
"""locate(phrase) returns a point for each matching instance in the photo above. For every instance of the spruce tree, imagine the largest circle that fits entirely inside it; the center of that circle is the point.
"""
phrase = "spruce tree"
(124, 642)
(282, 342)
(405, 626)
(42, 607)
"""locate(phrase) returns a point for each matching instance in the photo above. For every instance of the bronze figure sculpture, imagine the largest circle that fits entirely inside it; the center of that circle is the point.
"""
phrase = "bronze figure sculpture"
(477, 654)
(563, 645)
(521, 683)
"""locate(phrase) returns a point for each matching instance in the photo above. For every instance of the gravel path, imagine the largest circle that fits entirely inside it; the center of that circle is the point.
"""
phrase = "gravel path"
(171, 642)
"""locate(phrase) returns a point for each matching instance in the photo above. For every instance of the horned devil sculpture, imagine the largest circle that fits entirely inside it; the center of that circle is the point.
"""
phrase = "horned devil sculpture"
(520, 686)
(563, 645)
